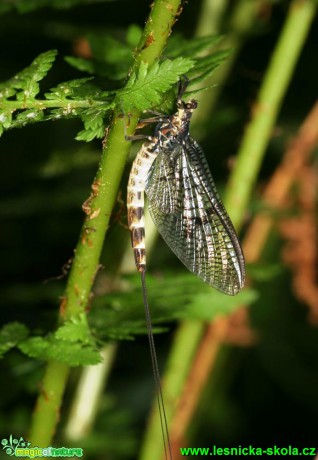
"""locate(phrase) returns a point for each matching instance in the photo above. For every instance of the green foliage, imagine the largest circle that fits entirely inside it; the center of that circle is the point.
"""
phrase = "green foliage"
(27, 117)
(205, 66)
(180, 46)
(68, 90)
(75, 330)
(25, 6)
(10, 335)
(66, 352)
(67, 99)
(145, 89)
(133, 35)
(41, 213)
(208, 305)
(71, 344)
(111, 58)
(94, 124)
(27, 80)
(262, 272)
(61, 162)
(119, 316)
(173, 296)
(24, 87)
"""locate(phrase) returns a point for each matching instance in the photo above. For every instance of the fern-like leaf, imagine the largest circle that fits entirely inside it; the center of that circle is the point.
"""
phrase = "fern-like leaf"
(206, 65)
(179, 46)
(11, 334)
(27, 80)
(67, 90)
(93, 120)
(67, 352)
(145, 88)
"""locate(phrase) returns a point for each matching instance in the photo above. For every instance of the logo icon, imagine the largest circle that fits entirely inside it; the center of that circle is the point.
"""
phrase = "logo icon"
(21, 448)
(10, 445)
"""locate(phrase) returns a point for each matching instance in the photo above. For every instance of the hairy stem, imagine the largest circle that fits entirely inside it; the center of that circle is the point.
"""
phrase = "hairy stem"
(98, 210)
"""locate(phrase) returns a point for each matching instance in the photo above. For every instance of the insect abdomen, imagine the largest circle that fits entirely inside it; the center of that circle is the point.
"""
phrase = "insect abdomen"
(136, 203)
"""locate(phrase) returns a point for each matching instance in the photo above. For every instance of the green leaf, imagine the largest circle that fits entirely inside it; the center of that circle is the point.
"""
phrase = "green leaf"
(94, 124)
(75, 330)
(5, 120)
(67, 90)
(35, 347)
(67, 352)
(199, 90)
(205, 66)
(63, 112)
(11, 334)
(27, 80)
(74, 354)
(261, 273)
(144, 89)
(28, 116)
(107, 49)
(114, 71)
(85, 65)
(6, 90)
(207, 305)
(62, 162)
(110, 57)
(172, 296)
(133, 36)
(25, 6)
(179, 46)
(148, 88)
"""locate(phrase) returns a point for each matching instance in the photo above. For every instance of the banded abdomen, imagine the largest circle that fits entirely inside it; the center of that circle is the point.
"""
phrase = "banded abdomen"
(135, 201)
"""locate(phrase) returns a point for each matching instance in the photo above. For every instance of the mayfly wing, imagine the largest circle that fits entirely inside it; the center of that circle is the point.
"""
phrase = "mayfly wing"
(229, 248)
(186, 208)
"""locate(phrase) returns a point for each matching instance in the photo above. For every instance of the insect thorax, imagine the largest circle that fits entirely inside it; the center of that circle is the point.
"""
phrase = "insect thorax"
(176, 128)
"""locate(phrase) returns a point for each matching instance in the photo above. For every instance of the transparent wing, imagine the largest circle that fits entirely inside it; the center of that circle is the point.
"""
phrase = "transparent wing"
(186, 208)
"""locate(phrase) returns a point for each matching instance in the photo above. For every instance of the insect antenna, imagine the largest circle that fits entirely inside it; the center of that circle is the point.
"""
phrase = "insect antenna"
(156, 373)
(182, 86)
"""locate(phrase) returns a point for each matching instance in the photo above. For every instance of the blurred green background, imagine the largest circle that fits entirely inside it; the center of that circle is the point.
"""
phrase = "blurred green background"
(261, 394)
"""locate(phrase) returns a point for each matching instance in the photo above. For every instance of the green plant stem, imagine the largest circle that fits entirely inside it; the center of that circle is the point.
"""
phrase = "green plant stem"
(272, 92)
(241, 182)
(211, 15)
(42, 104)
(47, 410)
(242, 20)
(98, 211)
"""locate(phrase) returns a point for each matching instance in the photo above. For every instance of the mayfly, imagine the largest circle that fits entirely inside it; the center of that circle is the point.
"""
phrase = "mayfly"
(185, 207)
